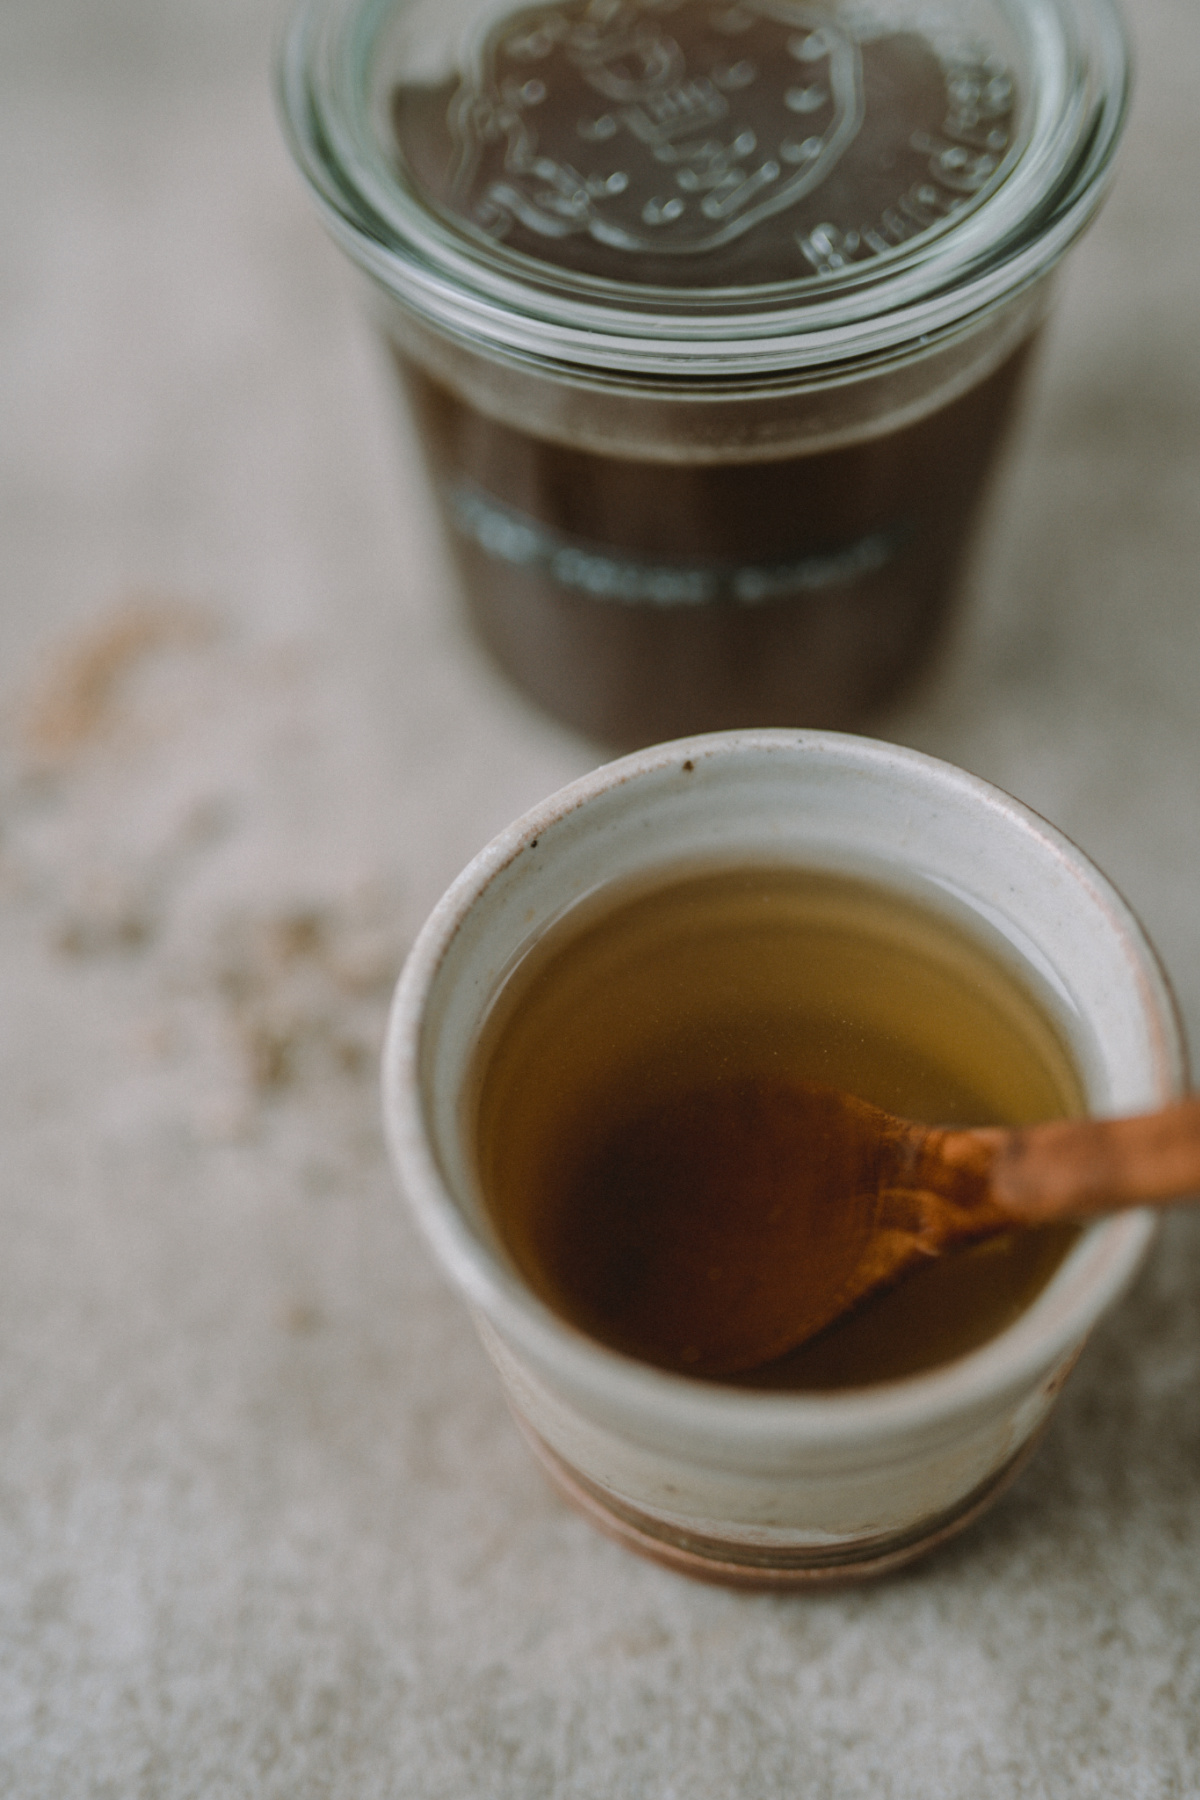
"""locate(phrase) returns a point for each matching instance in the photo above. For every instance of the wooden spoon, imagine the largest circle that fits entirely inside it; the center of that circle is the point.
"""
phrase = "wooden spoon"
(835, 1199)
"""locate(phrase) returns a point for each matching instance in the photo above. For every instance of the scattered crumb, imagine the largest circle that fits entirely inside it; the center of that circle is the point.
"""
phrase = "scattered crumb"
(77, 698)
(302, 1319)
(112, 917)
(168, 841)
(307, 989)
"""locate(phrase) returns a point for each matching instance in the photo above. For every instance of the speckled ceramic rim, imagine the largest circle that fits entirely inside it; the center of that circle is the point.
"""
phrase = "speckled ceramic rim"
(659, 1406)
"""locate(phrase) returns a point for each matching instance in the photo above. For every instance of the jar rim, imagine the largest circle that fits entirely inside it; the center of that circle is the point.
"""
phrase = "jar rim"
(522, 309)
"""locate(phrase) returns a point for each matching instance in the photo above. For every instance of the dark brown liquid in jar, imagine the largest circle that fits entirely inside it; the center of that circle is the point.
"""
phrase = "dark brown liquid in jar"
(595, 1072)
(686, 147)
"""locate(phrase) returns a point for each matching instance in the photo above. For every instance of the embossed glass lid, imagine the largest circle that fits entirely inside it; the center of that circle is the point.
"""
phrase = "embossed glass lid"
(704, 187)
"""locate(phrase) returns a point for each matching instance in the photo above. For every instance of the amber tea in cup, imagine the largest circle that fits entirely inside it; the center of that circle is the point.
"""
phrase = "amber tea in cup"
(757, 907)
(610, 1074)
(711, 313)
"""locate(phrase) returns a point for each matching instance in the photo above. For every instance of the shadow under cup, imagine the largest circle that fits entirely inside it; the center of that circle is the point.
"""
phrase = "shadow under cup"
(749, 1486)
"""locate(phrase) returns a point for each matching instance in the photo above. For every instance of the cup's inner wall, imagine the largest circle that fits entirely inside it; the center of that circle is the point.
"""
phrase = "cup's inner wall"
(837, 804)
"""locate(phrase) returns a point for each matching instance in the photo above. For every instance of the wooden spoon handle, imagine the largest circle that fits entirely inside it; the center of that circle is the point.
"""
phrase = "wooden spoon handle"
(1079, 1168)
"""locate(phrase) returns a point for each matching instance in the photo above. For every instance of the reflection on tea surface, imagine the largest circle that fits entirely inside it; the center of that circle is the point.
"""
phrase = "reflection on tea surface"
(609, 1035)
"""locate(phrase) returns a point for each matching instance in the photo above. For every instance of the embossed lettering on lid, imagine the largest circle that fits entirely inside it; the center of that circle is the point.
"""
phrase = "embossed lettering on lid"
(700, 189)
(621, 137)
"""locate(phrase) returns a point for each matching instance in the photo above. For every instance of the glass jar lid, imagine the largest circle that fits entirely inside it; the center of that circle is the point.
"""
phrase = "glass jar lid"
(704, 189)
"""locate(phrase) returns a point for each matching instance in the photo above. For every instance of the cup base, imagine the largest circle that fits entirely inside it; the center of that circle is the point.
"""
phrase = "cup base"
(727, 1563)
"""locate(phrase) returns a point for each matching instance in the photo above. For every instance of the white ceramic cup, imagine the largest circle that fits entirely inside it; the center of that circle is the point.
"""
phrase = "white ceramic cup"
(764, 1488)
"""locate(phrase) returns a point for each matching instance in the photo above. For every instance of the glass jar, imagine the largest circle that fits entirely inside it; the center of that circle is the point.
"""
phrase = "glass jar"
(712, 314)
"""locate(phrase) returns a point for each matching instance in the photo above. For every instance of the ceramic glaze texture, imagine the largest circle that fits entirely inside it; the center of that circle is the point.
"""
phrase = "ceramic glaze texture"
(778, 1484)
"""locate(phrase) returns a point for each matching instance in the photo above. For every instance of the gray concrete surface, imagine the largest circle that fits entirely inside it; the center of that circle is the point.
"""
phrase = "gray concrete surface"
(264, 1526)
